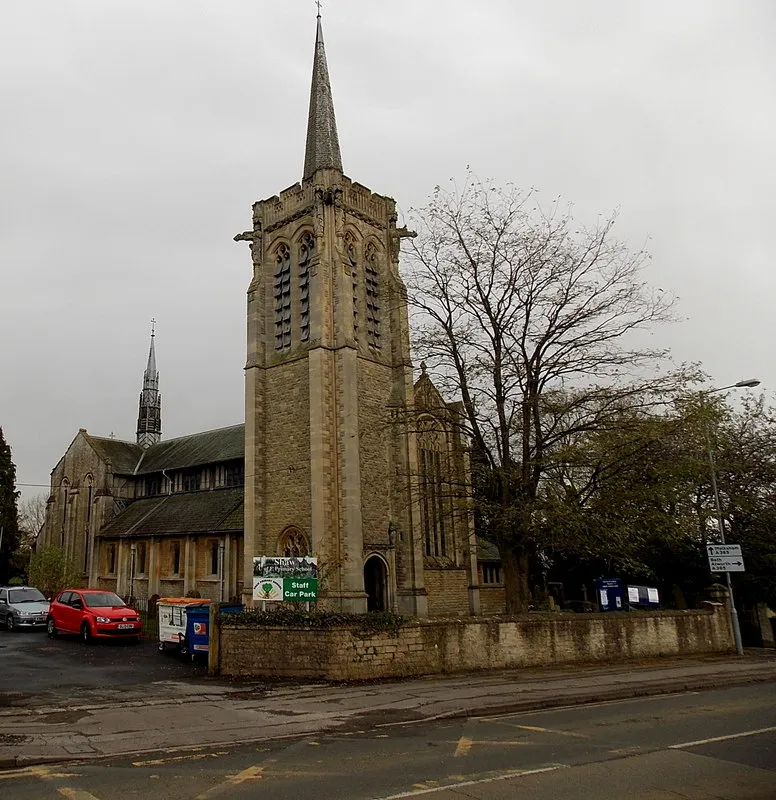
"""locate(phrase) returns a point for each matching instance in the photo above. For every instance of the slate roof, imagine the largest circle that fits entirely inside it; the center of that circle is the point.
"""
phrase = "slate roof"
(209, 447)
(217, 510)
(487, 551)
(123, 455)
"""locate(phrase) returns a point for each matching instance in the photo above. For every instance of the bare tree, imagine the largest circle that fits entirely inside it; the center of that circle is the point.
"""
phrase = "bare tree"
(531, 320)
(31, 516)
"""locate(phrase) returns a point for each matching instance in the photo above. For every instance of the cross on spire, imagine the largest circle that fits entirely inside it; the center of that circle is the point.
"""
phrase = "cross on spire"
(323, 150)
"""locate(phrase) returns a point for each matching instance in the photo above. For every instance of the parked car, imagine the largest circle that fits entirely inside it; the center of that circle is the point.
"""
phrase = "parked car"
(22, 607)
(92, 614)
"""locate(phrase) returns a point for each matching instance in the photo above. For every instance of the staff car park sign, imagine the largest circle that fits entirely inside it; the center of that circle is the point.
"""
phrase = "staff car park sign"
(279, 578)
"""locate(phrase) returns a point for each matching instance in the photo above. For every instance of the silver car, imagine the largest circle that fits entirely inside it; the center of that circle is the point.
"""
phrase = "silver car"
(22, 607)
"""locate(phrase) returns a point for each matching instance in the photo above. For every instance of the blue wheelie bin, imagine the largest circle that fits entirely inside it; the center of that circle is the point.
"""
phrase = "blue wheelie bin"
(198, 626)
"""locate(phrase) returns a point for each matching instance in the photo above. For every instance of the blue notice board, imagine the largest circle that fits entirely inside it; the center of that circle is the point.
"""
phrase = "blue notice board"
(611, 596)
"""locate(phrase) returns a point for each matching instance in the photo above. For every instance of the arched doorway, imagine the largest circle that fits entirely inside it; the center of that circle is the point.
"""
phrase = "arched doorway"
(376, 584)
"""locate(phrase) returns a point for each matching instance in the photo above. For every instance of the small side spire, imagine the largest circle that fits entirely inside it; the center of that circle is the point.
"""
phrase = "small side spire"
(323, 150)
(149, 418)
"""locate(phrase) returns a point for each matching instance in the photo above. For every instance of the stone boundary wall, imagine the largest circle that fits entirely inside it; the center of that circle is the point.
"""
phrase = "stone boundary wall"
(428, 647)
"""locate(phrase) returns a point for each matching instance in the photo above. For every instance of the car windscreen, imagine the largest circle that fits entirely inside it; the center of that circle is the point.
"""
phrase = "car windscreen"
(25, 596)
(103, 600)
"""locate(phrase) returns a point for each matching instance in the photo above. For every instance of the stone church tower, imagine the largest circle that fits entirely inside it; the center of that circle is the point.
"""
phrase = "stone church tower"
(329, 453)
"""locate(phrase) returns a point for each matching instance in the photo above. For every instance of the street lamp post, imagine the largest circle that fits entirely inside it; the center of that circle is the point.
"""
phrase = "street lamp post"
(718, 506)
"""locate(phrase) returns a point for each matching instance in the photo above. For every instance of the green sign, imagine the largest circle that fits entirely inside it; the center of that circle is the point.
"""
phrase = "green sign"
(300, 590)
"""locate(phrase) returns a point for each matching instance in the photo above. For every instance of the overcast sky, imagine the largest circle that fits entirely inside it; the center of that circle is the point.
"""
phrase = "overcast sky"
(136, 134)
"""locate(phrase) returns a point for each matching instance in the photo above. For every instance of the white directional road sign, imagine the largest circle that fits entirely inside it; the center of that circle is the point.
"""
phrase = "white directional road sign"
(725, 558)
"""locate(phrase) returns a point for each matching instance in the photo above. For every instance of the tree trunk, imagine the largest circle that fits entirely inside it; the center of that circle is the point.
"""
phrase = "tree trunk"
(514, 564)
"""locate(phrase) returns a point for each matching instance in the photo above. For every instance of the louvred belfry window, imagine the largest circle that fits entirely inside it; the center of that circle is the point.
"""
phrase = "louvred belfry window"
(306, 251)
(352, 264)
(282, 296)
(372, 297)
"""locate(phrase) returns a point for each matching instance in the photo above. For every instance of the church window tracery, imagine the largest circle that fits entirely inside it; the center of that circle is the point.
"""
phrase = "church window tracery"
(282, 297)
(306, 251)
(293, 543)
(433, 500)
(372, 297)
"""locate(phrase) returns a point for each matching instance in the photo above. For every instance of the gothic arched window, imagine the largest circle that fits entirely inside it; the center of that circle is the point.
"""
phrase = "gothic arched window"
(65, 492)
(89, 480)
(282, 296)
(351, 263)
(433, 487)
(372, 297)
(306, 251)
(293, 543)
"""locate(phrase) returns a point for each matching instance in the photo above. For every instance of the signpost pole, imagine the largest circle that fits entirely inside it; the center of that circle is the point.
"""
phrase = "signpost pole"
(721, 526)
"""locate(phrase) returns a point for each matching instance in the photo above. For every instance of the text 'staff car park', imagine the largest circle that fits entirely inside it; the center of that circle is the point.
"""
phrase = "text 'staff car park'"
(22, 607)
(93, 614)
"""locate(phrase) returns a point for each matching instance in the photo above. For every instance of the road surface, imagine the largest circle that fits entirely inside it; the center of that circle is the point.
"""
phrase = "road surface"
(711, 744)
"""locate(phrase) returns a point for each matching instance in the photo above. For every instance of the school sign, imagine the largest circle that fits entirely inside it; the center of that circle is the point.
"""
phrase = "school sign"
(289, 579)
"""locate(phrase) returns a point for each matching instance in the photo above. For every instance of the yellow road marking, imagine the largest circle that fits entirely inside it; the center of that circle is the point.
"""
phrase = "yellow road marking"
(464, 745)
(250, 774)
(155, 762)
(75, 794)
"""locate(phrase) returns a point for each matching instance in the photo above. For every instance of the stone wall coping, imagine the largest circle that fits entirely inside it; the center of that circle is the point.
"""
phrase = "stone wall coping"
(534, 616)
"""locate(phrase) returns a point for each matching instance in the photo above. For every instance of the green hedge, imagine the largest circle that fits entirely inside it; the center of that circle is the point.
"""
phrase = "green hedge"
(291, 617)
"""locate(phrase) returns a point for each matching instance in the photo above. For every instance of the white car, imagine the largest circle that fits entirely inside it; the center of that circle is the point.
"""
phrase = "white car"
(22, 607)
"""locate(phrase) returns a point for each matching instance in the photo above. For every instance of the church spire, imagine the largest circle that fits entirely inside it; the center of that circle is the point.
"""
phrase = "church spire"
(149, 418)
(323, 150)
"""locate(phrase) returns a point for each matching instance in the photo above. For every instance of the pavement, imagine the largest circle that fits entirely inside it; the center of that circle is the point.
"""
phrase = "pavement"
(170, 715)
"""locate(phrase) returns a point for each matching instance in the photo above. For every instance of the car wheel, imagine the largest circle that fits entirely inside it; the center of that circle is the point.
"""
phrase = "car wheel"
(86, 634)
(51, 628)
(10, 622)
(183, 647)
(161, 647)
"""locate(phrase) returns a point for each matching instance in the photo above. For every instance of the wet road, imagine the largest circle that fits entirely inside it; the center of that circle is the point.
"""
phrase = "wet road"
(712, 744)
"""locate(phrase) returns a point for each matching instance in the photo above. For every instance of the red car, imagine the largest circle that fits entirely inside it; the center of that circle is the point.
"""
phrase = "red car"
(93, 614)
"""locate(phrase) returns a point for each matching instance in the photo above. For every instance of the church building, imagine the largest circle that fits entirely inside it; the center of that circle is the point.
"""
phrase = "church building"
(343, 455)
